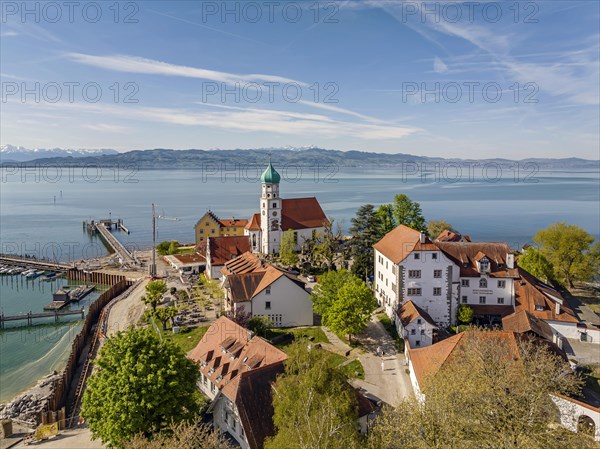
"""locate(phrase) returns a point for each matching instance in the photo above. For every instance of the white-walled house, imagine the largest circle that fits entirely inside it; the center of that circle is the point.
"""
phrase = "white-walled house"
(408, 266)
(260, 289)
(237, 370)
(415, 325)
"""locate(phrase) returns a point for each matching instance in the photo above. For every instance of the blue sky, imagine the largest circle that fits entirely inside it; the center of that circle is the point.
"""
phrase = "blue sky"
(477, 80)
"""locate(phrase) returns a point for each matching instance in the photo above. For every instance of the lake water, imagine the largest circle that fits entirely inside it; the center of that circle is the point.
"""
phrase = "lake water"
(41, 213)
(28, 353)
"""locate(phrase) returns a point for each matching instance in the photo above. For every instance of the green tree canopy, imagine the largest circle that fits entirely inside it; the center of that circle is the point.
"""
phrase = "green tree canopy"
(533, 261)
(569, 250)
(260, 325)
(287, 250)
(365, 231)
(387, 222)
(464, 314)
(154, 293)
(325, 292)
(142, 385)
(351, 311)
(314, 406)
(483, 397)
(436, 227)
(408, 213)
(325, 247)
(164, 315)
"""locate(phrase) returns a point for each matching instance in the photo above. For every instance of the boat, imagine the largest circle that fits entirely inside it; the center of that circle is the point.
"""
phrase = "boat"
(27, 273)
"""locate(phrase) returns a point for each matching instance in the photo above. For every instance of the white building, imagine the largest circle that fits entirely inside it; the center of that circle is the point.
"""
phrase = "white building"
(304, 216)
(186, 263)
(415, 325)
(236, 373)
(260, 289)
(439, 276)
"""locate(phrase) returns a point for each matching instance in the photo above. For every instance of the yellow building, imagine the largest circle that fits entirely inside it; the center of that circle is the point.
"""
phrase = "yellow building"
(212, 226)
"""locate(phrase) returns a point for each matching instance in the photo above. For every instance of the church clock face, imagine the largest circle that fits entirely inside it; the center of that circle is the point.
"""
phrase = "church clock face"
(274, 214)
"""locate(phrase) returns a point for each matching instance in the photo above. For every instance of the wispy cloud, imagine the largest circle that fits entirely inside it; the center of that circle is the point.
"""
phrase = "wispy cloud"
(242, 119)
(439, 66)
(106, 127)
(134, 64)
(8, 33)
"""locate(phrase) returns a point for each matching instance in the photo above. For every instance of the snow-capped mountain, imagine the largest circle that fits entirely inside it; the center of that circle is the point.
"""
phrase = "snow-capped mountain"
(12, 153)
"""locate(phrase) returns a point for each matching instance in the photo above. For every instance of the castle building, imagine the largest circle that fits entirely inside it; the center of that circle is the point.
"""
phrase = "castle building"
(304, 216)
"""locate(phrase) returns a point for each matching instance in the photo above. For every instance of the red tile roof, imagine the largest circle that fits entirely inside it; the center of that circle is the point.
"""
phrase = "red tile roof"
(233, 222)
(397, 244)
(190, 258)
(223, 249)
(532, 294)
(227, 350)
(428, 360)
(523, 322)
(449, 236)
(254, 223)
(466, 254)
(410, 312)
(245, 286)
(484, 309)
(302, 213)
(244, 263)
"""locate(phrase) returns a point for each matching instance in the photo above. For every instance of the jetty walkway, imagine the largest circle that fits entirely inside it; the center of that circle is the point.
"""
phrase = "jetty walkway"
(10, 259)
(123, 253)
(31, 316)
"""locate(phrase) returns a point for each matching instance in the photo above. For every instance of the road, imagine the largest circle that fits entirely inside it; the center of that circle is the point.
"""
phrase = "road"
(128, 311)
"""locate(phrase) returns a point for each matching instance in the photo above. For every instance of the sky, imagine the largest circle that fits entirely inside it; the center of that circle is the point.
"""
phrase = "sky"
(473, 80)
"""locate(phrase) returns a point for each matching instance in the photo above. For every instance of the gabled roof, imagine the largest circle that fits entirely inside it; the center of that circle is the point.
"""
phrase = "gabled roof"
(245, 286)
(532, 294)
(224, 249)
(254, 223)
(523, 321)
(227, 350)
(428, 360)
(210, 215)
(410, 312)
(244, 263)
(233, 222)
(302, 213)
(466, 254)
(254, 403)
(397, 244)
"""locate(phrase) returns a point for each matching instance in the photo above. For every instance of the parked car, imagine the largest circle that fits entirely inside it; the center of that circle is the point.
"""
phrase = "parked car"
(310, 278)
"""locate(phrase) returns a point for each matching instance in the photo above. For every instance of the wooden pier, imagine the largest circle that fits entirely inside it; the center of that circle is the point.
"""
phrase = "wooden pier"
(30, 262)
(103, 227)
(31, 316)
(74, 295)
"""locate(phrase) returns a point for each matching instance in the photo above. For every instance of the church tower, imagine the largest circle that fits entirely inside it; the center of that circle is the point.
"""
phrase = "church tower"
(270, 211)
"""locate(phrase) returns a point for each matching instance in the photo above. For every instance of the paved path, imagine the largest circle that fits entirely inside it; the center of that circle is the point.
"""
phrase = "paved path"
(68, 439)
(128, 311)
(391, 384)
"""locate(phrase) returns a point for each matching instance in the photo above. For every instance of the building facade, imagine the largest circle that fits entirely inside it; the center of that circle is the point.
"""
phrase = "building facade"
(209, 225)
(303, 216)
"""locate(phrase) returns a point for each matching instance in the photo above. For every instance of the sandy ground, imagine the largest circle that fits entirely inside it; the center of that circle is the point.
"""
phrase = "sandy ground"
(128, 311)
(68, 439)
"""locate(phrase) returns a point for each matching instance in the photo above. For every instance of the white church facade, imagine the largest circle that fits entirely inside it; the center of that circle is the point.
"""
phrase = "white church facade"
(304, 216)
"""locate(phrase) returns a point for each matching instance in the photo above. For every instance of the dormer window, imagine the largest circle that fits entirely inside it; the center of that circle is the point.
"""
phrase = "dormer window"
(539, 308)
(211, 371)
(483, 283)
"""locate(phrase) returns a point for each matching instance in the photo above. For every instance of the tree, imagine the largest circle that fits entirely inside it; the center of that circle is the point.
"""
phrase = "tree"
(351, 311)
(533, 261)
(154, 293)
(314, 406)
(173, 247)
(239, 315)
(485, 397)
(408, 213)
(325, 293)
(260, 325)
(142, 385)
(436, 227)
(163, 248)
(569, 250)
(184, 435)
(387, 222)
(325, 248)
(365, 231)
(287, 250)
(165, 314)
(464, 314)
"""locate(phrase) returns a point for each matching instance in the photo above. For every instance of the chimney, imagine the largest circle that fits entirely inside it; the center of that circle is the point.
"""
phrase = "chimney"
(510, 261)
(557, 308)
(250, 335)
(423, 237)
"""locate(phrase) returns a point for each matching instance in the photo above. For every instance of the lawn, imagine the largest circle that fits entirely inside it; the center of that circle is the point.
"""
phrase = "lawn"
(353, 369)
(186, 339)
(314, 334)
(390, 327)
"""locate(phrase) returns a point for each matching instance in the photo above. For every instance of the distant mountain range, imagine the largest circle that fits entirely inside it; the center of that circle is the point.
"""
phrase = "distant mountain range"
(11, 153)
(304, 156)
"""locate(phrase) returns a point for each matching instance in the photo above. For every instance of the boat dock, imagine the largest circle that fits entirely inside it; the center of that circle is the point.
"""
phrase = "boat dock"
(63, 297)
(103, 227)
(30, 262)
(31, 316)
